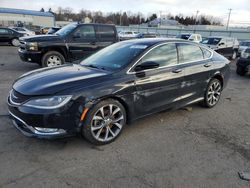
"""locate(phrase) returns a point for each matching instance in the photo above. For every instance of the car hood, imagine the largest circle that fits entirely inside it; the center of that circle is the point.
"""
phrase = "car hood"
(52, 80)
(41, 38)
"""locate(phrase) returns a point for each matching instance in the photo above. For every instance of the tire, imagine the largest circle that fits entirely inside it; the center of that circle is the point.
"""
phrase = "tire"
(240, 71)
(213, 93)
(52, 58)
(15, 42)
(234, 55)
(102, 128)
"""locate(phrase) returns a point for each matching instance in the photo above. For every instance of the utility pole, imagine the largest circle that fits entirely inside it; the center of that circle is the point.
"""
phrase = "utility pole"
(120, 17)
(197, 12)
(229, 15)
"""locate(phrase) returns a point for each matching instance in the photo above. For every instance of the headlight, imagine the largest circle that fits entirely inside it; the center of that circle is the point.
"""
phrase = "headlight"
(32, 46)
(48, 102)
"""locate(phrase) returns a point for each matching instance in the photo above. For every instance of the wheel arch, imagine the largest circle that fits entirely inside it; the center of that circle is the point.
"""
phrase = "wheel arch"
(61, 50)
(219, 77)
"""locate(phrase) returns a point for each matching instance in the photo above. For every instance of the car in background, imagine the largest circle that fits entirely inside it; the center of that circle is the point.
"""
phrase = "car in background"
(73, 42)
(243, 45)
(226, 46)
(190, 36)
(120, 83)
(243, 63)
(126, 35)
(53, 30)
(148, 35)
(44, 30)
(9, 35)
(23, 30)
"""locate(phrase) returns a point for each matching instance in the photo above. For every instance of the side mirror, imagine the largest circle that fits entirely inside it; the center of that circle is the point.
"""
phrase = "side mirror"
(222, 43)
(146, 65)
(76, 35)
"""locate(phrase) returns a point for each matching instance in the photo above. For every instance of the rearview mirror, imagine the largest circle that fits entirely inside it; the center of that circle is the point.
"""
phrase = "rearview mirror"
(146, 65)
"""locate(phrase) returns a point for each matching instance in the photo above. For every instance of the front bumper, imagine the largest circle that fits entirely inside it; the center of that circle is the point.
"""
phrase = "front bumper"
(30, 121)
(28, 56)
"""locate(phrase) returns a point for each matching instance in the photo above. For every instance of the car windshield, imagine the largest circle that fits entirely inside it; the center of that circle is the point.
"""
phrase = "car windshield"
(212, 41)
(245, 44)
(114, 57)
(183, 36)
(66, 29)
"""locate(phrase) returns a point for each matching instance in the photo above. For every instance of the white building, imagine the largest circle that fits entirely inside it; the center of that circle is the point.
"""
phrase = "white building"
(10, 17)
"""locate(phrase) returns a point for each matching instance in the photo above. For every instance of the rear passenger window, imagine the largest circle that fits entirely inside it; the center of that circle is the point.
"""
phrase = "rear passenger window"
(206, 53)
(164, 55)
(189, 53)
(106, 32)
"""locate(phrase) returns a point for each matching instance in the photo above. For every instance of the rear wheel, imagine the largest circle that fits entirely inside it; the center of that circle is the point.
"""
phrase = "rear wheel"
(213, 93)
(240, 71)
(52, 58)
(104, 122)
(15, 42)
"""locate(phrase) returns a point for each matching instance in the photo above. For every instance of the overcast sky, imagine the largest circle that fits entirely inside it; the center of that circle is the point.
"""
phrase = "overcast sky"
(218, 8)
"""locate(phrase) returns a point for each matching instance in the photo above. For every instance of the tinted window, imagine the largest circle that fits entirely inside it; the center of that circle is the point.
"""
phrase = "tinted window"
(106, 32)
(206, 53)
(3, 31)
(183, 36)
(189, 52)
(163, 55)
(85, 32)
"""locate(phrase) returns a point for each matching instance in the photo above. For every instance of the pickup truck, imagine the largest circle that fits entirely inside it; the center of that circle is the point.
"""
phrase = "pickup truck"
(73, 42)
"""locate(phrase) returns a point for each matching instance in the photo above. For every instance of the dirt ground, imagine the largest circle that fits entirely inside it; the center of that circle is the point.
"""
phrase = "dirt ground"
(197, 147)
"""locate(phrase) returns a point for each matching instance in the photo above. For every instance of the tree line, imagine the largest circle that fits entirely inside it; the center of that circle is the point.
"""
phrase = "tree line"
(127, 18)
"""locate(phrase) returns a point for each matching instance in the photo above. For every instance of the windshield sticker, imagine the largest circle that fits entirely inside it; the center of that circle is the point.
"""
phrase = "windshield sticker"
(139, 46)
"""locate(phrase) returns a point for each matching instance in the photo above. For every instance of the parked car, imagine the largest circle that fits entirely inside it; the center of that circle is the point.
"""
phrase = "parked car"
(53, 30)
(243, 63)
(118, 84)
(225, 46)
(190, 36)
(148, 35)
(243, 45)
(9, 35)
(44, 30)
(125, 35)
(25, 31)
(72, 42)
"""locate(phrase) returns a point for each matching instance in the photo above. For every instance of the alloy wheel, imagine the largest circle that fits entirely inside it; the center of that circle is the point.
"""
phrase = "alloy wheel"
(107, 123)
(214, 92)
(54, 60)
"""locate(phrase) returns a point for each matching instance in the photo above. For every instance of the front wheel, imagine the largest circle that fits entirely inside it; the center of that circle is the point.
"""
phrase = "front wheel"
(15, 42)
(104, 122)
(213, 93)
(52, 58)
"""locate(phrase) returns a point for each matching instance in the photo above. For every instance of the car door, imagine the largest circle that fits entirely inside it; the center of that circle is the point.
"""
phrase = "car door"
(4, 35)
(197, 65)
(158, 89)
(106, 35)
(82, 42)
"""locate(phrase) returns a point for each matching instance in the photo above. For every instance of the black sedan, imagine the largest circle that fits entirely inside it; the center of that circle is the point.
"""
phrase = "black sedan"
(10, 35)
(243, 63)
(118, 84)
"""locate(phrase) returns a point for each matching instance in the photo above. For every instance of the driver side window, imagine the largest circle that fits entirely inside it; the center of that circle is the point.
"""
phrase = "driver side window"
(164, 55)
(85, 32)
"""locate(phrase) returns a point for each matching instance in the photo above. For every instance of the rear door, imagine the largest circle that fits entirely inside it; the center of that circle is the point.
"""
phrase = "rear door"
(159, 88)
(197, 65)
(82, 42)
(106, 35)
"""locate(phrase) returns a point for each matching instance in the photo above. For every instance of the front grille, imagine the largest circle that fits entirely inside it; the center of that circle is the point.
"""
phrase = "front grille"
(18, 98)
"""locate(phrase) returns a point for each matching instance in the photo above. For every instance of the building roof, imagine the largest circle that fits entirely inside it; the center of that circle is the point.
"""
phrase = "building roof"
(26, 12)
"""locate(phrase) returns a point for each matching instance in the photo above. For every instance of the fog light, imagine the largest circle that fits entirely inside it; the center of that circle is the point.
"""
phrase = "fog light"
(46, 130)
(29, 59)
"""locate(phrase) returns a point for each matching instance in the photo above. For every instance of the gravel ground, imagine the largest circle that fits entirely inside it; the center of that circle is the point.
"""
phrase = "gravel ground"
(193, 147)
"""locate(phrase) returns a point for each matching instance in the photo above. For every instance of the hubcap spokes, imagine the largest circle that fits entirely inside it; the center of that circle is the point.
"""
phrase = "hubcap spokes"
(107, 123)
(53, 61)
(214, 93)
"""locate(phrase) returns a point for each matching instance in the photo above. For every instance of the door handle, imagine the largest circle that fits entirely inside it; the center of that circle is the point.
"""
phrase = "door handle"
(176, 70)
(207, 65)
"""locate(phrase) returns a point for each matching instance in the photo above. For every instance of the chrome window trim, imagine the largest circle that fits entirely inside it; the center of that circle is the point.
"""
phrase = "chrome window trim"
(178, 42)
